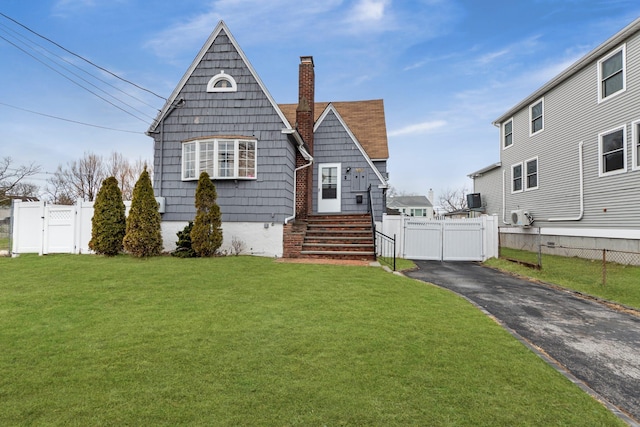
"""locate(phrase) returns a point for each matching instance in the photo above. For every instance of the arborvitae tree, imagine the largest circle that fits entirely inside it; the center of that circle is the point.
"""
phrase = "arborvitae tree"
(183, 245)
(108, 223)
(143, 237)
(206, 235)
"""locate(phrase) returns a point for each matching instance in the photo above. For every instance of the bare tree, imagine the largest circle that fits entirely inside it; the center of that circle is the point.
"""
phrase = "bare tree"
(12, 178)
(125, 172)
(453, 200)
(59, 189)
(394, 192)
(81, 179)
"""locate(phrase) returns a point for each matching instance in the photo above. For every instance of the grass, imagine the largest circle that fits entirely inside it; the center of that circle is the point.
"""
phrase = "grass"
(401, 263)
(4, 243)
(583, 275)
(88, 340)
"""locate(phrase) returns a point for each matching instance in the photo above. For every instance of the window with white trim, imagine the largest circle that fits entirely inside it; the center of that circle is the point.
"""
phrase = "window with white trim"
(221, 158)
(507, 134)
(531, 171)
(612, 147)
(635, 149)
(612, 77)
(222, 82)
(536, 117)
(516, 178)
(418, 212)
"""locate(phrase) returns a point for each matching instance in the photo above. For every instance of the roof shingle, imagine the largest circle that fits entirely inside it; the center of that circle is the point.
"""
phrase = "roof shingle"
(364, 118)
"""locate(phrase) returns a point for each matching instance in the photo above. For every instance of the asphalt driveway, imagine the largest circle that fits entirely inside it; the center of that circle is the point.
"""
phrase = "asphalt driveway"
(598, 345)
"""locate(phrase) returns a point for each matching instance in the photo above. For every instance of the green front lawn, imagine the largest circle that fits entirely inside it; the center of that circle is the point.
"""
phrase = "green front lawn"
(88, 340)
(578, 274)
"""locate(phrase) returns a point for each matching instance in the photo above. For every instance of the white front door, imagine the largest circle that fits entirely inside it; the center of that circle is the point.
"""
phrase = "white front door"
(329, 190)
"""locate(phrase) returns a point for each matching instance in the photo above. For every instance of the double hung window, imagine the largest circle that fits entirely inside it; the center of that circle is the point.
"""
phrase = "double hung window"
(221, 158)
(612, 74)
(507, 134)
(635, 148)
(536, 117)
(531, 169)
(612, 151)
(516, 178)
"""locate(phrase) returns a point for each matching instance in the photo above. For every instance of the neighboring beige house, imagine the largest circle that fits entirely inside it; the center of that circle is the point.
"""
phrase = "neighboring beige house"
(418, 206)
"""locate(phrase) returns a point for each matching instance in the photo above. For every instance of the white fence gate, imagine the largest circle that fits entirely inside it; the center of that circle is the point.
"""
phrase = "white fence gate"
(473, 239)
(39, 227)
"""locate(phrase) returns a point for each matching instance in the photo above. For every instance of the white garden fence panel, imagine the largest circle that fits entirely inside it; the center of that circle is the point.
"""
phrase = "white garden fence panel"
(473, 239)
(43, 228)
(423, 239)
(59, 229)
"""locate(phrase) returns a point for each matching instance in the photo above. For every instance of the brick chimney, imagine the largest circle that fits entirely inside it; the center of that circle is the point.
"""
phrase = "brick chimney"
(304, 124)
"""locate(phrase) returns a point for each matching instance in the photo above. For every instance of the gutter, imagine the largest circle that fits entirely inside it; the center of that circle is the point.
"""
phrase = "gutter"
(306, 156)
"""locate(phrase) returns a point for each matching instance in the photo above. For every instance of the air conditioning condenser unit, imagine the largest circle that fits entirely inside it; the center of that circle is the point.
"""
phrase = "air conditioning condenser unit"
(521, 218)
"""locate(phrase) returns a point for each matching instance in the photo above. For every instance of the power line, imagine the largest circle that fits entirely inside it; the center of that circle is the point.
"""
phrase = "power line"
(81, 57)
(78, 76)
(69, 120)
(72, 81)
(27, 40)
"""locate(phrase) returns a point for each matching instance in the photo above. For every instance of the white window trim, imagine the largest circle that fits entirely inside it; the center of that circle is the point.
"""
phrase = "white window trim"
(635, 142)
(502, 134)
(624, 151)
(525, 184)
(622, 48)
(211, 86)
(531, 133)
(521, 178)
(215, 175)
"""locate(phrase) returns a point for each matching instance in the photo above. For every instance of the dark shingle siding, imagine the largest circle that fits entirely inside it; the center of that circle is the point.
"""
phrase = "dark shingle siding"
(332, 144)
(246, 112)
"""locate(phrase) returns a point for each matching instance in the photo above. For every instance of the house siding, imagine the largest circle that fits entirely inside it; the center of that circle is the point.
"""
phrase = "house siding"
(332, 144)
(247, 112)
(490, 188)
(573, 115)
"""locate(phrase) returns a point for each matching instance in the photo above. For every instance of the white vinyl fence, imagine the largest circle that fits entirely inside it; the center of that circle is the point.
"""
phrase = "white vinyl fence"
(42, 228)
(472, 239)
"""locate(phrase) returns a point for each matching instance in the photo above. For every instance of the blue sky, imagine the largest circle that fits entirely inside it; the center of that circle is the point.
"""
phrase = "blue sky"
(445, 69)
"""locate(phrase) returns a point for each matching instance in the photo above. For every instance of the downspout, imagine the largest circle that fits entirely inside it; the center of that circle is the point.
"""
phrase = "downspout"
(504, 197)
(581, 214)
(179, 104)
(304, 154)
(295, 175)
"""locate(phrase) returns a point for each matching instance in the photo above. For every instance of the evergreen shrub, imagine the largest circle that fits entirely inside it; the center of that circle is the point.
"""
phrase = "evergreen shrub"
(143, 237)
(108, 224)
(206, 235)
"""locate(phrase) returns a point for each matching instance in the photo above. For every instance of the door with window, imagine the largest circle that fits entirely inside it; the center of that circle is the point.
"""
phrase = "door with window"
(329, 190)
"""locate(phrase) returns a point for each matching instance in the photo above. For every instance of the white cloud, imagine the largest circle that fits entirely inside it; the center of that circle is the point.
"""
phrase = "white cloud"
(368, 11)
(419, 128)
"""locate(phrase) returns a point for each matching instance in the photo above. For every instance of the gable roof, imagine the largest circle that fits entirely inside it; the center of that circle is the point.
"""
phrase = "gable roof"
(580, 64)
(408, 201)
(172, 100)
(365, 119)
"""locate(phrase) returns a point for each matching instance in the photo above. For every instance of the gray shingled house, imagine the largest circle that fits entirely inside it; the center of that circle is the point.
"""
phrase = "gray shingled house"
(569, 169)
(282, 172)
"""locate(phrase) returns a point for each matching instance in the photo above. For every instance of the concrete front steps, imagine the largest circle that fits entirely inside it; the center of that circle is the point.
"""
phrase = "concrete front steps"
(339, 236)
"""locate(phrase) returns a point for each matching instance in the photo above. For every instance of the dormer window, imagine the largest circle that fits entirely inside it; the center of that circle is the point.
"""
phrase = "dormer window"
(222, 83)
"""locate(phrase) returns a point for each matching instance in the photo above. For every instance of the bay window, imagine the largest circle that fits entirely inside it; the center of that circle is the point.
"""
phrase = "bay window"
(221, 158)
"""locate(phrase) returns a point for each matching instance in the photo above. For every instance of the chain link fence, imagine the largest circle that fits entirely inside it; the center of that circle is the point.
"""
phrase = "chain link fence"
(588, 265)
(4, 236)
